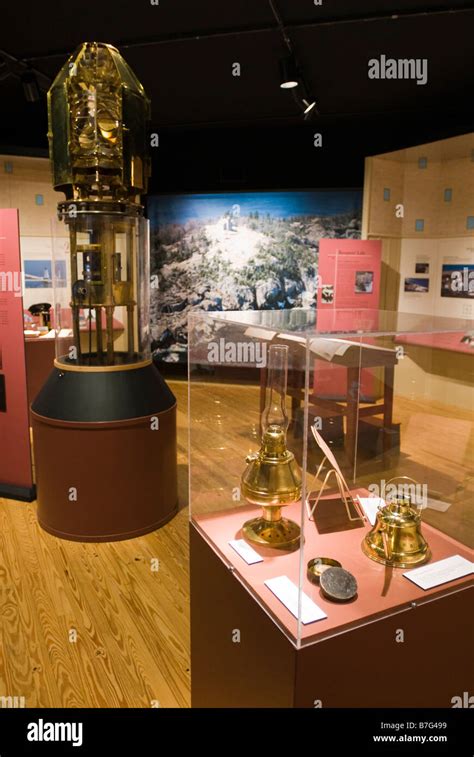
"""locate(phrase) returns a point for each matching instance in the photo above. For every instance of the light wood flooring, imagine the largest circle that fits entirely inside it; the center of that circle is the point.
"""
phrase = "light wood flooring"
(130, 623)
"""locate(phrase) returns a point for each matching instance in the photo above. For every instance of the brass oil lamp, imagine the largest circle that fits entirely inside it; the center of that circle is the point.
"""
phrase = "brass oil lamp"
(272, 478)
(396, 539)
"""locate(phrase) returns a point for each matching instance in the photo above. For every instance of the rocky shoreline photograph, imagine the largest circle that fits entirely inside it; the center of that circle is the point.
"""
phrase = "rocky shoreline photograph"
(238, 251)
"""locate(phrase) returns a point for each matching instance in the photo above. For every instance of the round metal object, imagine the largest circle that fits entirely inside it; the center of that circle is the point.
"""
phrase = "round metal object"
(338, 585)
(318, 565)
(280, 534)
(80, 290)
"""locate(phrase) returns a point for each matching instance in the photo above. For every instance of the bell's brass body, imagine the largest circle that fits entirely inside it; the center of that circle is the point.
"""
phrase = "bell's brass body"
(272, 480)
(396, 539)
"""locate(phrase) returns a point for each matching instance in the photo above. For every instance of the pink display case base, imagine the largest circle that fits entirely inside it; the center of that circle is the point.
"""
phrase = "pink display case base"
(381, 590)
(415, 655)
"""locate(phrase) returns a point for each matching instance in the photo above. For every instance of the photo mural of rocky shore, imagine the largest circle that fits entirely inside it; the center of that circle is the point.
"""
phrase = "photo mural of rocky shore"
(238, 251)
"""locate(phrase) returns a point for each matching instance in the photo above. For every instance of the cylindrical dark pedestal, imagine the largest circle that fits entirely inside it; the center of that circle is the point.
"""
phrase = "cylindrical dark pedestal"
(105, 453)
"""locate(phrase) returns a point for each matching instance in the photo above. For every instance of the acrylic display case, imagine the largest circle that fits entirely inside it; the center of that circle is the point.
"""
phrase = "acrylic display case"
(101, 289)
(377, 413)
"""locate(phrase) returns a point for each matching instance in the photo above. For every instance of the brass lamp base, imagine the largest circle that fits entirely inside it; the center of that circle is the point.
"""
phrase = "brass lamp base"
(374, 549)
(279, 534)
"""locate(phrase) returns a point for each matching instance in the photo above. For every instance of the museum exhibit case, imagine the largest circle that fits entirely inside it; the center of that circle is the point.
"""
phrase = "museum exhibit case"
(104, 423)
(331, 503)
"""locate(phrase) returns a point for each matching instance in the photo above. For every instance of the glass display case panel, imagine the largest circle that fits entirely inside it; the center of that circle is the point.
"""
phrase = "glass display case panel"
(241, 382)
(425, 441)
(364, 416)
(101, 284)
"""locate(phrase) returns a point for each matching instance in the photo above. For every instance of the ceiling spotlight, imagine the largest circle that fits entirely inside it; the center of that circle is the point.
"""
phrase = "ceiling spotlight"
(308, 106)
(30, 87)
(288, 73)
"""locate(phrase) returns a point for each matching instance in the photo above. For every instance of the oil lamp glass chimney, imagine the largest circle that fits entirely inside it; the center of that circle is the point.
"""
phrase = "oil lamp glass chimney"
(274, 412)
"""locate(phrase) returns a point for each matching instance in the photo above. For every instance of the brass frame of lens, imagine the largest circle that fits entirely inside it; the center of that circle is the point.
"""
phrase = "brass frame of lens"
(98, 114)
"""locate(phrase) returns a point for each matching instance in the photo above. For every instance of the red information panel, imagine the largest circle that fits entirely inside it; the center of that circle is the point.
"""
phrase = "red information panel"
(349, 271)
(16, 479)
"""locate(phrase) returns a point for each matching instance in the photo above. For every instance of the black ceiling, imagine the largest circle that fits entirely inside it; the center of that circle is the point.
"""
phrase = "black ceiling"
(183, 51)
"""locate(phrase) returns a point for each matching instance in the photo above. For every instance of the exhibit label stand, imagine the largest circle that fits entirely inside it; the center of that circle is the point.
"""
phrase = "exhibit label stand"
(16, 481)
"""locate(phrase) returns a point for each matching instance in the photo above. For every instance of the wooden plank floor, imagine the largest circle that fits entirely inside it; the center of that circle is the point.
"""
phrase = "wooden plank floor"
(132, 624)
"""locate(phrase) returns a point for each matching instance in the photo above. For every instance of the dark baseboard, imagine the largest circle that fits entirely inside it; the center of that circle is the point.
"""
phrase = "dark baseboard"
(21, 493)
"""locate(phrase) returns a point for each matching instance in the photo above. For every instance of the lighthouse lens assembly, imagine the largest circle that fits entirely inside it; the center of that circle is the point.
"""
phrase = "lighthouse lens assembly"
(104, 393)
(98, 114)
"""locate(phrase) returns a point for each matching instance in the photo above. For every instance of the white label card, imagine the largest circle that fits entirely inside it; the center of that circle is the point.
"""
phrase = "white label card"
(437, 504)
(440, 572)
(370, 505)
(257, 333)
(245, 551)
(287, 592)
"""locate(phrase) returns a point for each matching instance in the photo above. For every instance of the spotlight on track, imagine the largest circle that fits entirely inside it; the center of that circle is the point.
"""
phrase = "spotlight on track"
(308, 106)
(288, 73)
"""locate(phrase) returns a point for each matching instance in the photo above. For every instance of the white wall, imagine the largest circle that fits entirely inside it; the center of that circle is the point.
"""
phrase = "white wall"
(435, 252)
(24, 181)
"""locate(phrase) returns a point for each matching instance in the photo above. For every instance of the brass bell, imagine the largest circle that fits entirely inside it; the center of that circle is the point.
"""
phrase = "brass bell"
(272, 480)
(396, 539)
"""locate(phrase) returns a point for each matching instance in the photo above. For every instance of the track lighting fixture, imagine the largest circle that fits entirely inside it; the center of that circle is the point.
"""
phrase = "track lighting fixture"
(34, 82)
(288, 73)
(309, 105)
